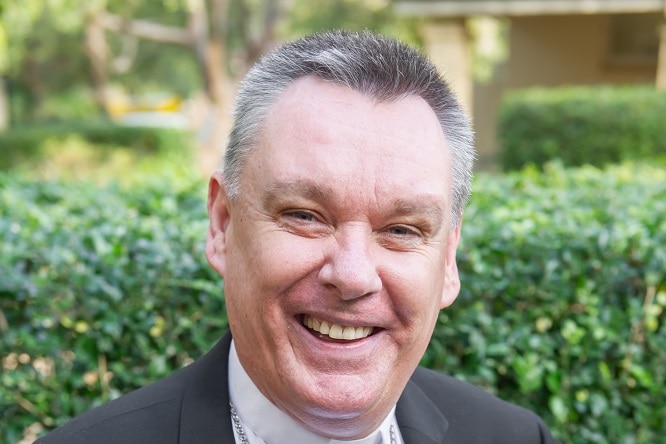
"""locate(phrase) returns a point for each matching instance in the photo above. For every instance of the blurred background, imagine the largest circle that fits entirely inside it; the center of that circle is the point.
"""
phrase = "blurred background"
(114, 112)
(166, 63)
(175, 63)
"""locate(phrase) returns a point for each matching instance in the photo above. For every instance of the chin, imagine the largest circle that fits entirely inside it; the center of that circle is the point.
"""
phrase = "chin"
(343, 407)
(340, 422)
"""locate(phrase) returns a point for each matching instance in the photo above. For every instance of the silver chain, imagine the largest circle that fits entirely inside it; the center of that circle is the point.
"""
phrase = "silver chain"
(243, 437)
(237, 425)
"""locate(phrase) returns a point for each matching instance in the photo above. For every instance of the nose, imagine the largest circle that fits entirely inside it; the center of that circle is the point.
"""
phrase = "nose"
(349, 266)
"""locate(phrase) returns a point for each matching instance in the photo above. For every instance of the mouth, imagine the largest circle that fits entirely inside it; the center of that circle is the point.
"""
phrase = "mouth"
(335, 331)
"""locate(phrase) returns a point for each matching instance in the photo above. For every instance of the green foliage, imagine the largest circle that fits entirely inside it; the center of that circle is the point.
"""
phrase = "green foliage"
(306, 17)
(562, 309)
(42, 45)
(563, 301)
(582, 125)
(42, 54)
(73, 104)
(101, 291)
(34, 29)
(84, 150)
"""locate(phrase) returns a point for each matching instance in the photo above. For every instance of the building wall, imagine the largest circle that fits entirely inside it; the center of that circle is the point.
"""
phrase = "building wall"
(568, 49)
(558, 50)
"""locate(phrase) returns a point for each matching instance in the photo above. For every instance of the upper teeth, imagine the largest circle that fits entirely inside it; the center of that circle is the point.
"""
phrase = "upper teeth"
(336, 331)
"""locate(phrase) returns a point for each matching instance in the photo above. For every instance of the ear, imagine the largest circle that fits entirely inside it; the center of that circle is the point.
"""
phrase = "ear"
(451, 278)
(219, 218)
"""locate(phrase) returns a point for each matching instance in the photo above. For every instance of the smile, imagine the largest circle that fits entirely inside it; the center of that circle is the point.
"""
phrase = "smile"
(336, 331)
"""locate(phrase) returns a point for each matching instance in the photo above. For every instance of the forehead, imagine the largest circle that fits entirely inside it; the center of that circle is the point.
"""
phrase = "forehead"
(320, 131)
(311, 103)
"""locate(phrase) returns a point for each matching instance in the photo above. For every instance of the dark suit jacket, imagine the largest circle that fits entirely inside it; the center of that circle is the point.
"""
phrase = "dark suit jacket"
(192, 406)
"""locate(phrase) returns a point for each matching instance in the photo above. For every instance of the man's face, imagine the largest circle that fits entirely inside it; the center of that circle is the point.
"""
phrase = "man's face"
(342, 225)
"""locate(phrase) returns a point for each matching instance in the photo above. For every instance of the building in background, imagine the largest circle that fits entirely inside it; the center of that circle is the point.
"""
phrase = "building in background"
(538, 43)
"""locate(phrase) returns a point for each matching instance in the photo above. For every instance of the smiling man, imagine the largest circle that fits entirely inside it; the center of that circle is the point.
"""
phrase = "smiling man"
(334, 224)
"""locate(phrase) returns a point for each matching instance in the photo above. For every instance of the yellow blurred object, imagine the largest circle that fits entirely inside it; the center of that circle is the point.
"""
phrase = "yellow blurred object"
(164, 103)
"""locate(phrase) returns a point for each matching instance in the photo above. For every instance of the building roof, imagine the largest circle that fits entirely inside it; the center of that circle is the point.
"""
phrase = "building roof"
(524, 7)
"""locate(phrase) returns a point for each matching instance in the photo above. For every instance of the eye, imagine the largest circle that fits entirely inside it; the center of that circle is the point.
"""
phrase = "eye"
(301, 215)
(305, 223)
(401, 237)
(403, 230)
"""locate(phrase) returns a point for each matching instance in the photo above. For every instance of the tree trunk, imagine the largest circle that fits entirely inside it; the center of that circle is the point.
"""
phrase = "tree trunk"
(144, 29)
(206, 35)
(209, 45)
(98, 53)
(4, 106)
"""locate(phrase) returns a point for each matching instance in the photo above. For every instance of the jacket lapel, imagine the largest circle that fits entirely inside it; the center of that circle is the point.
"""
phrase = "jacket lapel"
(420, 420)
(205, 416)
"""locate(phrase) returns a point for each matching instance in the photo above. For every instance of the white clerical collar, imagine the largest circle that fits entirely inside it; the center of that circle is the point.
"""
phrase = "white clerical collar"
(263, 422)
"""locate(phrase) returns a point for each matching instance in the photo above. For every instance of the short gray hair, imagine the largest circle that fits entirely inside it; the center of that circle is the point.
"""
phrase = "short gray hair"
(379, 66)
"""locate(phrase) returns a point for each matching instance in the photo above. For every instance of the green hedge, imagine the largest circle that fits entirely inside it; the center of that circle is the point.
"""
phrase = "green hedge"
(562, 308)
(27, 144)
(94, 283)
(582, 125)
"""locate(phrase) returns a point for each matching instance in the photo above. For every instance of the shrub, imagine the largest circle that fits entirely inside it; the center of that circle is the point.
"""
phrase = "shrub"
(29, 145)
(562, 307)
(582, 125)
(563, 298)
(101, 291)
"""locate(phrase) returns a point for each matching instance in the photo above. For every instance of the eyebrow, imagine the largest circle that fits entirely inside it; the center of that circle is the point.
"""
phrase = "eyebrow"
(304, 188)
(427, 207)
(421, 206)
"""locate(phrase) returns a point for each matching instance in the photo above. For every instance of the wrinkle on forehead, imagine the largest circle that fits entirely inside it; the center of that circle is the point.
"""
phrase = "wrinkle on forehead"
(296, 107)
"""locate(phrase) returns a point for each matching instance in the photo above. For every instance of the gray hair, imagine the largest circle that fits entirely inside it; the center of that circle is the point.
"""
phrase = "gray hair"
(378, 66)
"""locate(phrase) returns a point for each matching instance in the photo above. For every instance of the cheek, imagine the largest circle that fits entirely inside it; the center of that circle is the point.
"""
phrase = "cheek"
(272, 261)
(417, 283)
(415, 290)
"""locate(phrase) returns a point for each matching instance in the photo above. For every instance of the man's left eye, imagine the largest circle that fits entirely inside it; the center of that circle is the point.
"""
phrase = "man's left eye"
(304, 216)
(401, 230)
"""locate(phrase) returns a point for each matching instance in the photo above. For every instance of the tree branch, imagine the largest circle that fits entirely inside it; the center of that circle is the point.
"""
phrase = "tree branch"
(145, 29)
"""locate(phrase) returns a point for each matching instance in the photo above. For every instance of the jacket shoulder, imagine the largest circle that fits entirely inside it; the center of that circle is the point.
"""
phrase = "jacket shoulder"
(149, 414)
(476, 416)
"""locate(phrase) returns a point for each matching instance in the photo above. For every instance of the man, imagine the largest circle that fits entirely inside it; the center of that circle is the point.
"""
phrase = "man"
(334, 225)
